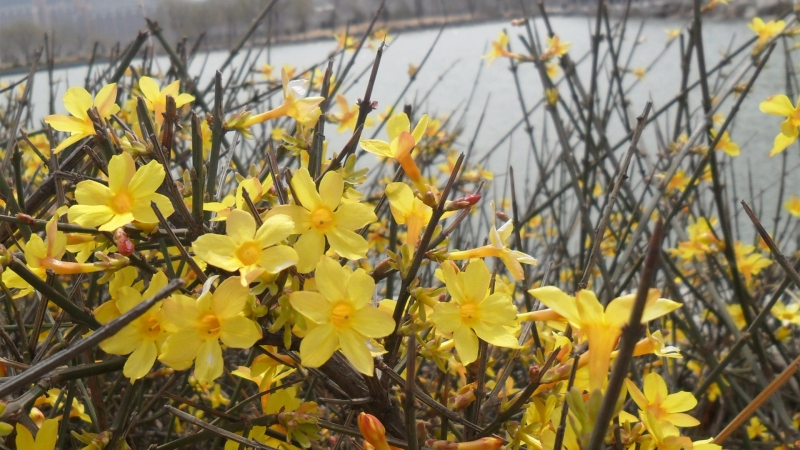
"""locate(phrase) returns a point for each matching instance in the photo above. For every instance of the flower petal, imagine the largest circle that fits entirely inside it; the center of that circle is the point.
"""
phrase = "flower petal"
(147, 179)
(239, 332)
(557, 300)
(89, 216)
(447, 316)
(105, 100)
(121, 170)
(277, 258)
(476, 279)
(92, 193)
(360, 288)
(466, 344)
(778, 105)
(354, 348)
(240, 226)
(208, 365)
(273, 230)
(312, 305)
(143, 208)
(309, 248)
(332, 280)
(141, 360)
(372, 322)
(396, 125)
(351, 216)
(318, 345)
(331, 188)
(149, 88)
(78, 100)
(419, 130)
(230, 298)
(347, 244)
(306, 190)
(217, 250)
(679, 402)
(376, 147)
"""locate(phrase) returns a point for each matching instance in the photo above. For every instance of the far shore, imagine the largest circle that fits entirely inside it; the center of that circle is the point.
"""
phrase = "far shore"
(662, 10)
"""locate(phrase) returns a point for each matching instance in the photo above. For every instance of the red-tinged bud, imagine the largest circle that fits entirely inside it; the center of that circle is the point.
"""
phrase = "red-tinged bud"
(26, 218)
(373, 431)
(487, 443)
(463, 202)
(533, 373)
(124, 244)
(501, 215)
(441, 445)
(5, 256)
(464, 397)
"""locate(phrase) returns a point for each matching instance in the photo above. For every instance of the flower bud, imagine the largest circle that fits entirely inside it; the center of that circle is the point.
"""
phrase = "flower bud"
(462, 203)
(373, 431)
(487, 443)
(501, 215)
(464, 397)
(122, 241)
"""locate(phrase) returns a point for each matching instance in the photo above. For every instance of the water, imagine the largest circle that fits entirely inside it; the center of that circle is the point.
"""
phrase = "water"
(459, 54)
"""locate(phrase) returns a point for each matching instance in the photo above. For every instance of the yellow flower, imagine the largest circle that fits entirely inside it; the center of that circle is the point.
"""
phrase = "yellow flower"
(349, 117)
(264, 371)
(793, 205)
(78, 101)
(342, 315)
(345, 41)
(602, 328)
(144, 336)
(156, 98)
(126, 198)
(249, 250)
(401, 141)
(320, 215)
(373, 431)
(45, 438)
(639, 73)
(295, 104)
(551, 94)
(409, 210)
(702, 240)
(767, 30)
(665, 435)
(474, 313)
(197, 326)
(672, 33)
(664, 406)
(756, 429)
(787, 314)
(551, 69)
(556, 48)
(748, 261)
(499, 49)
(725, 144)
(498, 248)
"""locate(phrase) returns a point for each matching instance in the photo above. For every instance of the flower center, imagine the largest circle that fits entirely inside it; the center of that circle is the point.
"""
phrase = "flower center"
(122, 202)
(470, 314)
(209, 325)
(342, 315)
(322, 219)
(249, 253)
(149, 328)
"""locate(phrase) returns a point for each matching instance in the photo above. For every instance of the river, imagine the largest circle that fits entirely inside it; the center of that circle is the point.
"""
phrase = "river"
(460, 49)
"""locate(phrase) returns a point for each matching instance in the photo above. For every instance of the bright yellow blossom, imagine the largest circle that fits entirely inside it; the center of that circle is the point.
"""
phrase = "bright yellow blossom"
(787, 314)
(342, 316)
(198, 326)
(499, 49)
(295, 104)
(602, 327)
(45, 438)
(143, 337)
(156, 98)
(748, 261)
(323, 214)
(409, 210)
(555, 48)
(249, 250)
(126, 198)
(513, 259)
(78, 101)
(780, 105)
(349, 116)
(401, 142)
(725, 144)
(664, 406)
(793, 205)
(473, 312)
(766, 31)
(672, 33)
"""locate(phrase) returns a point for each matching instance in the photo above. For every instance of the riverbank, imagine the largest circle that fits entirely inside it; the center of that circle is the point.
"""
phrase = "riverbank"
(647, 9)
